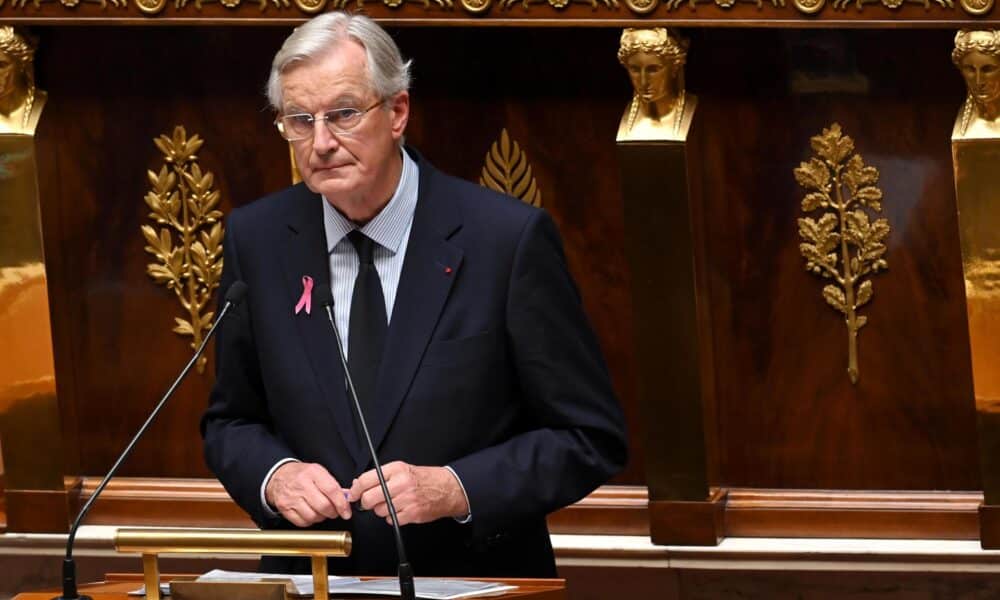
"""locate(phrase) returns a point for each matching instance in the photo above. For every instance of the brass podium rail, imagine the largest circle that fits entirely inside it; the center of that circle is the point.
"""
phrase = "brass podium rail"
(152, 542)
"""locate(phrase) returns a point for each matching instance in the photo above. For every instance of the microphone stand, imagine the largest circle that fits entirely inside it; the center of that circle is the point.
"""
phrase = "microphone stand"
(233, 297)
(406, 586)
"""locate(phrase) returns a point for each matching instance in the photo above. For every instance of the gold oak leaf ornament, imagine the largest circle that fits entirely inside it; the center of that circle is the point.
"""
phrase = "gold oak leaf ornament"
(842, 243)
(182, 201)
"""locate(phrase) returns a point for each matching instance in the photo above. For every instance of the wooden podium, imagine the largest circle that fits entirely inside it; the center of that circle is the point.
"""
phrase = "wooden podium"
(116, 586)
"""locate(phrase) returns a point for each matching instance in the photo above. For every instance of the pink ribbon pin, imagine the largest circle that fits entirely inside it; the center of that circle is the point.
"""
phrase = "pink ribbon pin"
(306, 301)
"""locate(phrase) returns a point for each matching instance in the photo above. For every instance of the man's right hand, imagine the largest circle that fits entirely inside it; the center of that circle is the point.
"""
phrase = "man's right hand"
(306, 493)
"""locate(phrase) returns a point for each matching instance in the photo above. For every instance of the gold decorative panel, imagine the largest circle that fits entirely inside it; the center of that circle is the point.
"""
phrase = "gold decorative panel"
(35, 491)
(975, 148)
(843, 243)
(507, 171)
(566, 12)
(183, 202)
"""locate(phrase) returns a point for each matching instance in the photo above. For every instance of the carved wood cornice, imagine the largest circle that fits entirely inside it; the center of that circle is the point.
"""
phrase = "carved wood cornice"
(519, 13)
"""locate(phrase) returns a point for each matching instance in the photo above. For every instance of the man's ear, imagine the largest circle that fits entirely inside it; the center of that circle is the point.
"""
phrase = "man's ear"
(400, 109)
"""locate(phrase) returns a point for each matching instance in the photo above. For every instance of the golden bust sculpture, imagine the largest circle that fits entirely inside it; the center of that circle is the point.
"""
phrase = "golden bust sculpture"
(977, 56)
(654, 59)
(20, 102)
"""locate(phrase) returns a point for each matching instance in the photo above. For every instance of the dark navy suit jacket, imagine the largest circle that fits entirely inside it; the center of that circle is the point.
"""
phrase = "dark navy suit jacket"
(490, 367)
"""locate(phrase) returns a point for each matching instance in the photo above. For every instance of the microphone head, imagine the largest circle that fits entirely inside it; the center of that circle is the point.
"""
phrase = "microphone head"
(236, 292)
(322, 294)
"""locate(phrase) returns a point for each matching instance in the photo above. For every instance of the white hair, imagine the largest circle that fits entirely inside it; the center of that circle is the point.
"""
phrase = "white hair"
(388, 74)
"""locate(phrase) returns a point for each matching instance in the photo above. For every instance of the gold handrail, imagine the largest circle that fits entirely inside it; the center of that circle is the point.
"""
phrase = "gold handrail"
(152, 542)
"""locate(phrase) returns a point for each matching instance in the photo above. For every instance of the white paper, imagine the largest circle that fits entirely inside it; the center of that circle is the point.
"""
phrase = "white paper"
(164, 590)
(425, 587)
(302, 584)
(428, 588)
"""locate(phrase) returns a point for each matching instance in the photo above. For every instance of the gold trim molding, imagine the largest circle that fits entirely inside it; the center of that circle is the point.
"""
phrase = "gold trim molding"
(508, 171)
(892, 4)
(843, 244)
(445, 9)
(692, 4)
(182, 201)
(67, 3)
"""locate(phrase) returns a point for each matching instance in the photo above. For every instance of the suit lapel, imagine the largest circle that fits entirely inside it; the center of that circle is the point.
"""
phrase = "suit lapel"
(430, 268)
(305, 253)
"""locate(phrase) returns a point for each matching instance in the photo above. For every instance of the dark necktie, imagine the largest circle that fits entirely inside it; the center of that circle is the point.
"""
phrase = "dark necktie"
(366, 332)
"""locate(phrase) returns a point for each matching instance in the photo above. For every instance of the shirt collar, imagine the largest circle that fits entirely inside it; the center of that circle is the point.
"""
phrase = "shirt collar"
(390, 224)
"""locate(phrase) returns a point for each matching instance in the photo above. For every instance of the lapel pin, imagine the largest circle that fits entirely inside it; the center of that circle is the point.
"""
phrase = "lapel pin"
(306, 300)
(447, 270)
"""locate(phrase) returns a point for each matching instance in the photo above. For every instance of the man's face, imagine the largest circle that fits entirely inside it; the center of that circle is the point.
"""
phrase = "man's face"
(650, 75)
(348, 168)
(8, 71)
(982, 75)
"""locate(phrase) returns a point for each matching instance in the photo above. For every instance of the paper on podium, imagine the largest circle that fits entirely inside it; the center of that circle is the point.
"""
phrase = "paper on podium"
(302, 585)
(426, 587)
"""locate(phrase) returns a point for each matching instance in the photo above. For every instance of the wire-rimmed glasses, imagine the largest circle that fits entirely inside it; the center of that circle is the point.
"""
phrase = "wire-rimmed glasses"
(301, 126)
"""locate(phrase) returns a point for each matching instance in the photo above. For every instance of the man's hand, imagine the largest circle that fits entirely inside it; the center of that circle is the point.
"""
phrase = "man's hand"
(306, 493)
(420, 494)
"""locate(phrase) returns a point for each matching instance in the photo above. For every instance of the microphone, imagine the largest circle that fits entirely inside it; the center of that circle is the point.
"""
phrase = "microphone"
(234, 296)
(406, 590)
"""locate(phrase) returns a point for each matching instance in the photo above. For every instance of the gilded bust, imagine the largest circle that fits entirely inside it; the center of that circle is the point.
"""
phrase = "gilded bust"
(20, 102)
(977, 56)
(660, 108)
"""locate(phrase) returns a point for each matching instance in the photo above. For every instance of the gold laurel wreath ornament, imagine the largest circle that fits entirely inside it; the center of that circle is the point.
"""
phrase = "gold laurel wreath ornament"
(182, 201)
(843, 244)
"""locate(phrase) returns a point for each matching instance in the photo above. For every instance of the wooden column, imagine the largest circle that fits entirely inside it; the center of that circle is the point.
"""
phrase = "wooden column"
(670, 341)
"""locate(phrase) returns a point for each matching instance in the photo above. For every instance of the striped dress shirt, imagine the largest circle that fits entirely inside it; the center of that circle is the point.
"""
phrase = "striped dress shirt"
(390, 230)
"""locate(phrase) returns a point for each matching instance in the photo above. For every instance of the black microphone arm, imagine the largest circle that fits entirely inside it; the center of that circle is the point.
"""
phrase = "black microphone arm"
(406, 588)
(234, 296)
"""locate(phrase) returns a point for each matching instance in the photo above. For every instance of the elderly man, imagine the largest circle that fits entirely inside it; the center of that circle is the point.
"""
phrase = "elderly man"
(481, 382)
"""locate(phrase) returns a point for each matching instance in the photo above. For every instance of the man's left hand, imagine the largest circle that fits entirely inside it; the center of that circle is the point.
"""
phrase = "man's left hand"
(420, 494)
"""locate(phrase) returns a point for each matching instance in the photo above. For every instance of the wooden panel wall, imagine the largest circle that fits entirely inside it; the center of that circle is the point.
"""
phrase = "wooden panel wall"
(112, 90)
(786, 415)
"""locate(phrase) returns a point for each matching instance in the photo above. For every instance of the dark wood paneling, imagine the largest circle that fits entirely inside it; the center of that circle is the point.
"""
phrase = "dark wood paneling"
(845, 514)
(3, 506)
(163, 503)
(839, 585)
(989, 526)
(687, 523)
(613, 510)
(665, 302)
(609, 510)
(115, 353)
(786, 413)
(111, 92)
(41, 511)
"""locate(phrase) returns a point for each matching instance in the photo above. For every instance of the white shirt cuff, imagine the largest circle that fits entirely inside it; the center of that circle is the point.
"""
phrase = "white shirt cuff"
(467, 517)
(263, 486)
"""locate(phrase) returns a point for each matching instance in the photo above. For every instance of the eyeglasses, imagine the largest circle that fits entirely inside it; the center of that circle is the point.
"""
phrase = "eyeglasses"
(338, 121)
